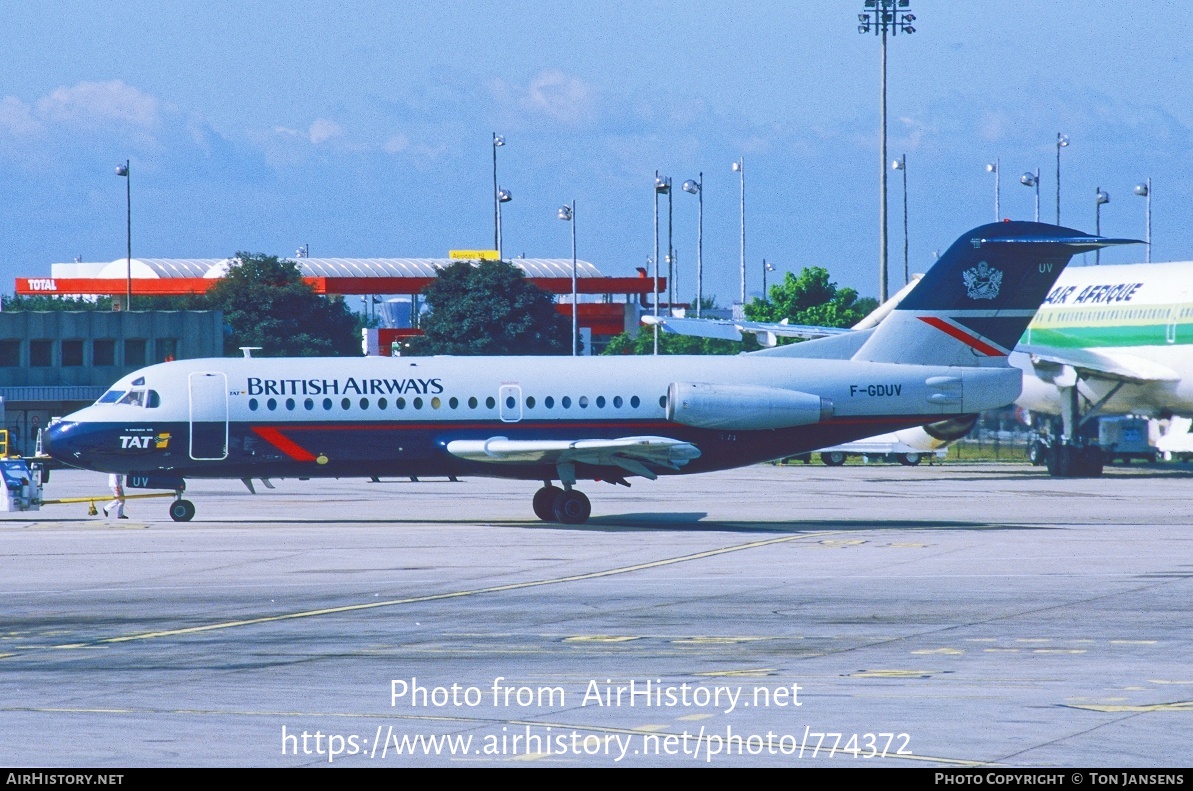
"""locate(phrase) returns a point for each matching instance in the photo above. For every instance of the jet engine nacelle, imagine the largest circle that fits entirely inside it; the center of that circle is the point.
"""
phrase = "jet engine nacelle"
(743, 407)
(952, 429)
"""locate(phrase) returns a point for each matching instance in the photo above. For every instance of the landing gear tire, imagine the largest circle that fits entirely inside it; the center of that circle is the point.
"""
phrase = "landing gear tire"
(571, 507)
(1074, 461)
(544, 501)
(833, 459)
(1092, 462)
(908, 459)
(1037, 453)
(182, 510)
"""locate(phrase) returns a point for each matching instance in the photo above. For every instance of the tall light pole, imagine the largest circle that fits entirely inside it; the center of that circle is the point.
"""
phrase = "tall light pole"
(901, 164)
(1144, 190)
(123, 170)
(993, 168)
(739, 167)
(670, 248)
(1030, 179)
(662, 184)
(503, 196)
(697, 188)
(882, 17)
(1100, 198)
(568, 214)
(1062, 141)
(766, 267)
(498, 142)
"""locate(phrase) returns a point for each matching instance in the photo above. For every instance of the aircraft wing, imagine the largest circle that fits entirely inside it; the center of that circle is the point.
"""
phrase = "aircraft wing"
(730, 330)
(637, 455)
(1104, 365)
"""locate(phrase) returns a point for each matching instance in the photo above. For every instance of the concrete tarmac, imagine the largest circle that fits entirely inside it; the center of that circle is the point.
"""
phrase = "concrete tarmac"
(947, 616)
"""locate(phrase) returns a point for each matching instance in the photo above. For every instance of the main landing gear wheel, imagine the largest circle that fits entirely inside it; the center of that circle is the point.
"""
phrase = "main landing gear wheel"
(1075, 461)
(571, 507)
(182, 510)
(544, 503)
(834, 459)
(908, 459)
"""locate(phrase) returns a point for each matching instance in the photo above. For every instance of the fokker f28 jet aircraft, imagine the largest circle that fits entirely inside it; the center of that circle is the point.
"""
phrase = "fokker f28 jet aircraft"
(940, 356)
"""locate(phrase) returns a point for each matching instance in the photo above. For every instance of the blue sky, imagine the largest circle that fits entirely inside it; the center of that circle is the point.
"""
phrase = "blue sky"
(363, 129)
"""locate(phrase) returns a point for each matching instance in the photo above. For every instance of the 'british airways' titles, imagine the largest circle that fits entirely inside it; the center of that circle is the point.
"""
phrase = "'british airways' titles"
(351, 385)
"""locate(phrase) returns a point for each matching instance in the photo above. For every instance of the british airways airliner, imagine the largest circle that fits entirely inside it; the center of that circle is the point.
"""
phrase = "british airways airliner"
(940, 357)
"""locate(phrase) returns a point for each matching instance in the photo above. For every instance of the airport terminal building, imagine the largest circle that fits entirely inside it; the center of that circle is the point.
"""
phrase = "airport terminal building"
(52, 363)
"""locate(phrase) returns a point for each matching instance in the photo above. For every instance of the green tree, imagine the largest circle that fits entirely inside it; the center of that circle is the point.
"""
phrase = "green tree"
(811, 298)
(676, 344)
(490, 308)
(17, 302)
(266, 303)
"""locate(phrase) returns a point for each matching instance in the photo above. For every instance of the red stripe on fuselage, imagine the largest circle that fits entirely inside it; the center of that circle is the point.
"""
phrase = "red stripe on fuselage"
(287, 446)
(964, 337)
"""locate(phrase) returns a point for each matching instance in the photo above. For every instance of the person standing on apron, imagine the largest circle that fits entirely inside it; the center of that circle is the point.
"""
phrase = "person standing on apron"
(117, 487)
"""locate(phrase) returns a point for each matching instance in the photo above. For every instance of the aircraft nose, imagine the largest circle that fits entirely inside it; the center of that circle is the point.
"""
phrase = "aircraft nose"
(56, 441)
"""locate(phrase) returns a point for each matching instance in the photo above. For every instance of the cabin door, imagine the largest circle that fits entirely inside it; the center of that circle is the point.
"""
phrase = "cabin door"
(509, 398)
(209, 416)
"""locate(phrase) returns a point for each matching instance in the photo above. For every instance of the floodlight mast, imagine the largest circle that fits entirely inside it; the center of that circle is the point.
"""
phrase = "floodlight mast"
(882, 17)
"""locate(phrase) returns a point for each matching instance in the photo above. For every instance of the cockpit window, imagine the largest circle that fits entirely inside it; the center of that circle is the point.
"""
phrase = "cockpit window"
(110, 397)
(142, 398)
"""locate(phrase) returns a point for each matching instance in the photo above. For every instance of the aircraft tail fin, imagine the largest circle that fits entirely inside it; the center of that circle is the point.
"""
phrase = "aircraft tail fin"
(974, 304)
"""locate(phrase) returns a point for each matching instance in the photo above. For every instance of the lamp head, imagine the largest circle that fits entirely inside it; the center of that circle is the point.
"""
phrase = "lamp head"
(1141, 190)
(498, 140)
(1061, 140)
(122, 170)
(504, 196)
(564, 213)
(691, 186)
(1102, 197)
(1028, 179)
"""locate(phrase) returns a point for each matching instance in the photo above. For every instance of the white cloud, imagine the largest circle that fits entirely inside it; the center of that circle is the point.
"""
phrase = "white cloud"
(16, 118)
(91, 104)
(396, 144)
(559, 96)
(553, 94)
(323, 130)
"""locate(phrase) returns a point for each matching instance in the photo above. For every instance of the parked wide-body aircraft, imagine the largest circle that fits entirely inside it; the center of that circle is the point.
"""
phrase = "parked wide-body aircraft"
(1109, 340)
(940, 357)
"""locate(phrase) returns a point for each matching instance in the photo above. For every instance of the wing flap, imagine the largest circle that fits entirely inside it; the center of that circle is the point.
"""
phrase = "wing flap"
(638, 455)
